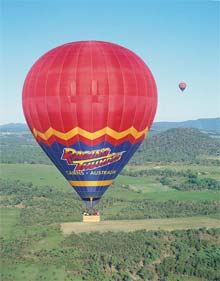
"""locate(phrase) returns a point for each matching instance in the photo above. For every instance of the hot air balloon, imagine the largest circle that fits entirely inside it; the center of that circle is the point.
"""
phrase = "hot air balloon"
(89, 104)
(182, 86)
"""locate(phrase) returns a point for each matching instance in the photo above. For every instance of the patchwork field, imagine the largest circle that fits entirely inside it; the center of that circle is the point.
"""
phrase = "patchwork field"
(139, 187)
(43, 238)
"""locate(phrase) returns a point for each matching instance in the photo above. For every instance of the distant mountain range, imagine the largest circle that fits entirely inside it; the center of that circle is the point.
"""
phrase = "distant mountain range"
(207, 125)
(14, 127)
(204, 124)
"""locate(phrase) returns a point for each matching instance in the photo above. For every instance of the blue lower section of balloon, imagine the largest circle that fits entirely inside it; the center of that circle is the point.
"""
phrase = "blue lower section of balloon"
(82, 164)
(87, 192)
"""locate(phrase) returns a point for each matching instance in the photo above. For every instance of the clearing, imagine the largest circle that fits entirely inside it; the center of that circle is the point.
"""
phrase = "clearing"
(148, 224)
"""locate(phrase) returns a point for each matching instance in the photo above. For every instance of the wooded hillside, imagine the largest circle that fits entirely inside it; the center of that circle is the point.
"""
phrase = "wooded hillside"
(179, 144)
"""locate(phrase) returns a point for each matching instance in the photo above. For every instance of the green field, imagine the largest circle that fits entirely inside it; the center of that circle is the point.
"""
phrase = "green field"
(34, 272)
(133, 225)
(177, 166)
(36, 232)
(139, 187)
(8, 220)
(36, 253)
(36, 173)
(183, 278)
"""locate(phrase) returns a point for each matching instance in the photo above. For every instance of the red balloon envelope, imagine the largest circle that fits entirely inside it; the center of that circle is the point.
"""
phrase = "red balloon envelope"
(89, 105)
(182, 86)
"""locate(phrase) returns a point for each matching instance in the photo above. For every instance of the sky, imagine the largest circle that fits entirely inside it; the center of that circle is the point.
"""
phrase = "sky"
(178, 40)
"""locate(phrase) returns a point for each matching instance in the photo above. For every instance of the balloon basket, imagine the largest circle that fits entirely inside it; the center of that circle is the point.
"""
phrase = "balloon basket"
(91, 217)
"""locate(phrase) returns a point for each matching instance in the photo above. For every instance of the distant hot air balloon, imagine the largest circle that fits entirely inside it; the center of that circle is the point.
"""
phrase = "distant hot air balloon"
(182, 86)
(89, 105)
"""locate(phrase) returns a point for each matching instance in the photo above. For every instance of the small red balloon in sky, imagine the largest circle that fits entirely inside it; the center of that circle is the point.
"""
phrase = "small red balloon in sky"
(182, 86)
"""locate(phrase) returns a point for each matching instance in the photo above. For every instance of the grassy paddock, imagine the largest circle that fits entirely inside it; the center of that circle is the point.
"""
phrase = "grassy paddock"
(176, 167)
(35, 272)
(139, 187)
(8, 220)
(38, 174)
(143, 184)
(176, 277)
(132, 225)
(185, 196)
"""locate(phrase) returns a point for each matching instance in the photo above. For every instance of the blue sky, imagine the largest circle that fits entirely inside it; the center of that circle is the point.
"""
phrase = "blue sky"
(179, 40)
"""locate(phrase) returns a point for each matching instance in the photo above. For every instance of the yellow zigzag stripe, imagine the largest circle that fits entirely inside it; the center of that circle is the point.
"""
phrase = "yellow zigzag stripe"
(91, 136)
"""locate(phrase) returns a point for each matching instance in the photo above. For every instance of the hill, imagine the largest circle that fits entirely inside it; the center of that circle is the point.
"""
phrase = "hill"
(180, 144)
(13, 127)
(211, 125)
(173, 145)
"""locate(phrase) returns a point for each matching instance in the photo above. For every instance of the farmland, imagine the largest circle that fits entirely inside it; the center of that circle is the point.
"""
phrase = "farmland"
(158, 218)
(137, 187)
(133, 225)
